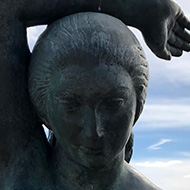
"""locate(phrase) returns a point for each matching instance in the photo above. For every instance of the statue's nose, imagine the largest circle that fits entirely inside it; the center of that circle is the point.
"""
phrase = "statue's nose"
(91, 124)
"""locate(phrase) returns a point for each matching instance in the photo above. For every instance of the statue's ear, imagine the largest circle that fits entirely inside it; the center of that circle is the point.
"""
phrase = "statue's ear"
(129, 148)
(45, 116)
(139, 109)
(44, 121)
(140, 102)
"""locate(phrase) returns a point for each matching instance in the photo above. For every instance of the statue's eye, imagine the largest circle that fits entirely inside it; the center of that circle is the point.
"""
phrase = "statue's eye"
(114, 104)
(72, 105)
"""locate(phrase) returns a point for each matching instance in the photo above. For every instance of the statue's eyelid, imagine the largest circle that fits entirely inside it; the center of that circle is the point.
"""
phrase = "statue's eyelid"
(108, 101)
(116, 100)
(68, 100)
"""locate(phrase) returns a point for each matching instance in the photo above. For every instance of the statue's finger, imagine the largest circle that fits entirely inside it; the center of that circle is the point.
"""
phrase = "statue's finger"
(184, 21)
(181, 32)
(164, 54)
(174, 51)
(178, 42)
(156, 38)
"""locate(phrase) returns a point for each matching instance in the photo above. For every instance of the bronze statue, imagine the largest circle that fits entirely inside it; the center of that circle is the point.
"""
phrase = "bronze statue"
(87, 81)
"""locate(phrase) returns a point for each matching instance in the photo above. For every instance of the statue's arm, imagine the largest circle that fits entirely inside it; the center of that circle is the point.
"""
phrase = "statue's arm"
(161, 22)
(19, 128)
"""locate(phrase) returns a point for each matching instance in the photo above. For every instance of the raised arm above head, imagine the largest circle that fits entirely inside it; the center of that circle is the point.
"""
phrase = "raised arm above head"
(162, 22)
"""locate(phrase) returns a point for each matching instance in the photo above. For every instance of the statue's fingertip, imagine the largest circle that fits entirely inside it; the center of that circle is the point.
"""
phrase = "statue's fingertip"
(165, 55)
(168, 55)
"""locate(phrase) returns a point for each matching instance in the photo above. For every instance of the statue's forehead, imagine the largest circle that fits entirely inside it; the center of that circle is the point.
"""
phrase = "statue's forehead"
(98, 79)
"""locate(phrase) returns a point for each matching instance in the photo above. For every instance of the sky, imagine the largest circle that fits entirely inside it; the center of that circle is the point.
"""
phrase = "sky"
(162, 134)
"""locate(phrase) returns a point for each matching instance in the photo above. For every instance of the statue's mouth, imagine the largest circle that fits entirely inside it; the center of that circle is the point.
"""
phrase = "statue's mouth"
(92, 150)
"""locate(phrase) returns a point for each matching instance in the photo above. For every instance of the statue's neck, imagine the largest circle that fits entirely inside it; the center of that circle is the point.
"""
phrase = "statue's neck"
(71, 175)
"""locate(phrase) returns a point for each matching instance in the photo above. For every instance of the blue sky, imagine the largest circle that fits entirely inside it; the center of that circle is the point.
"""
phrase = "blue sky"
(162, 134)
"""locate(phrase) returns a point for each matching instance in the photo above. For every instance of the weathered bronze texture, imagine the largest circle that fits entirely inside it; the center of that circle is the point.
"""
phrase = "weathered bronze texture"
(87, 82)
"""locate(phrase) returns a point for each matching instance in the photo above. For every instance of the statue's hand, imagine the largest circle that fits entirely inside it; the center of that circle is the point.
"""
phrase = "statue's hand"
(167, 36)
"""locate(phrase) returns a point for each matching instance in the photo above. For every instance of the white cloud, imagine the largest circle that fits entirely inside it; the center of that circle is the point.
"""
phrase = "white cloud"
(157, 145)
(168, 102)
(187, 176)
(158, 164)
(186, 154)
(173, 115)
(172, 175)
(167, 114)
(178, 71)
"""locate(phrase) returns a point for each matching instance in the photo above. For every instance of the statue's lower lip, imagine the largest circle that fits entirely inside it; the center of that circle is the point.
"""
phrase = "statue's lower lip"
(92, 149)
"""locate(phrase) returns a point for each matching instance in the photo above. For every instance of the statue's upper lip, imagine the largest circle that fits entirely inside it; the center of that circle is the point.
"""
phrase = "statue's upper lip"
(92, 148)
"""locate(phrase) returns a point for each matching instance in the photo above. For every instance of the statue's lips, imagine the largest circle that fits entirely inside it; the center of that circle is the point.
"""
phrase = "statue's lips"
(93, 150)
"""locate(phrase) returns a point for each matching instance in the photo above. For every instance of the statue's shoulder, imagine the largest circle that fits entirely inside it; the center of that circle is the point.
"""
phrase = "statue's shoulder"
(136, 181)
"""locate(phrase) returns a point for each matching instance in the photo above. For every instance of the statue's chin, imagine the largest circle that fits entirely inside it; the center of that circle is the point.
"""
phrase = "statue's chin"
(92, 159)
(96, 158)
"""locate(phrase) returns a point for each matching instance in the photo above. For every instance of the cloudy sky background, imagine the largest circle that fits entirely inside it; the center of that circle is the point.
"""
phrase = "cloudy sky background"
(162, 135)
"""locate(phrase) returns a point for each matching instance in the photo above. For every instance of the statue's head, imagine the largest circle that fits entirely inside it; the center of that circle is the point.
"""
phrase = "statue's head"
(88, 82)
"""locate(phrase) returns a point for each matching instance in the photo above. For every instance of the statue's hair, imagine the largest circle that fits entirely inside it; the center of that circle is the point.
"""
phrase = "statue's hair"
(85, 38)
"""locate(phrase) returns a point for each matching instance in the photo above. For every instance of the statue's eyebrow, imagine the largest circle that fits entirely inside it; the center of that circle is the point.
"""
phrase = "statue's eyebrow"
(120, 91)
(66, 95)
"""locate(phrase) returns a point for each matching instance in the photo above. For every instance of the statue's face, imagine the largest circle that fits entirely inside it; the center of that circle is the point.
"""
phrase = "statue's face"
(92, 111)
